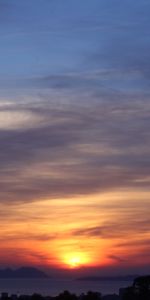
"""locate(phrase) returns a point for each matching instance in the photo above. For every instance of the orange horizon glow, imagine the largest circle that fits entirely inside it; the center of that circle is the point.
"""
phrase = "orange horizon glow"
(77, 234)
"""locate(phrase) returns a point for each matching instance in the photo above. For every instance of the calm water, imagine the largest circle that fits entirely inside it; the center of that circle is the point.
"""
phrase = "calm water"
(55, 286)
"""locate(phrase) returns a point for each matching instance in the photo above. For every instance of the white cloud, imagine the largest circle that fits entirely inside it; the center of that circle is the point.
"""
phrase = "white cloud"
(13, 120)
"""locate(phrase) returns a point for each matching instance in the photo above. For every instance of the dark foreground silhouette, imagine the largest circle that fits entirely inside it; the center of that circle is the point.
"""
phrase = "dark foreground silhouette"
(140, 290)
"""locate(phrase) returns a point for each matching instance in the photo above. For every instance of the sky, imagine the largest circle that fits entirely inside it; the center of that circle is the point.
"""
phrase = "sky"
(75, 135)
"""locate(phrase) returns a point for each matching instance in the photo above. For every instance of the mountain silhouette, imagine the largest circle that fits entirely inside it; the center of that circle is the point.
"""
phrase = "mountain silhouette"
(23, 272)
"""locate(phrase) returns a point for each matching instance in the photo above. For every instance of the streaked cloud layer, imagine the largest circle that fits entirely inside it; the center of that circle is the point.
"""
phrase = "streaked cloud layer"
(74, 132)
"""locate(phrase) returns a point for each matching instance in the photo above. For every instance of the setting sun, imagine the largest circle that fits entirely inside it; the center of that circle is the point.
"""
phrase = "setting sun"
(75, 260)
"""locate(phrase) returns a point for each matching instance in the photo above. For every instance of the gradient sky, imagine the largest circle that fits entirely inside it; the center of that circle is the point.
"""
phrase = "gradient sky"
(75, 134)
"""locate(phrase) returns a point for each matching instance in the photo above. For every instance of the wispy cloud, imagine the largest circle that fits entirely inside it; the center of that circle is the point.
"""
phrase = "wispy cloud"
(70, 150)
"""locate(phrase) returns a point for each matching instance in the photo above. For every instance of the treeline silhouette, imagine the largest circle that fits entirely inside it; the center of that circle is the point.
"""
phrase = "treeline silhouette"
(140, 290)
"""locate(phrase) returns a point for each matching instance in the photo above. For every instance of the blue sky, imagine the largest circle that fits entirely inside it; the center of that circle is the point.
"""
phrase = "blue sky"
(39, 38)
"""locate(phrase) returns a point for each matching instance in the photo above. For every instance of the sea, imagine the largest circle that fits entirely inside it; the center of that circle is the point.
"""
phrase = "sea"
(52, 287)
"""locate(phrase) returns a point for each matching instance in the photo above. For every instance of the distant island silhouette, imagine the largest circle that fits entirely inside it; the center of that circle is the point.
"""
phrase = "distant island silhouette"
(32, 272)
(108, 278)
(23, 272)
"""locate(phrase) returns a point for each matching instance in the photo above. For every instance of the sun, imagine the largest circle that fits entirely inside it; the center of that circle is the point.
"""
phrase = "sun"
(75, 260)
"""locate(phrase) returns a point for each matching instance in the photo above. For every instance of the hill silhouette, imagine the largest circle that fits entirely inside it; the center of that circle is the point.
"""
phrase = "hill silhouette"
(23, 272)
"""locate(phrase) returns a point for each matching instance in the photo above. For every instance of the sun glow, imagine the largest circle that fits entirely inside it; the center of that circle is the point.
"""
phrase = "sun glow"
(76, 260)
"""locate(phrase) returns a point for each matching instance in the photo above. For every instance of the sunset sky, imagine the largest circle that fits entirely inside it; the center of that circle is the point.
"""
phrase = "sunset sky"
(75, 135)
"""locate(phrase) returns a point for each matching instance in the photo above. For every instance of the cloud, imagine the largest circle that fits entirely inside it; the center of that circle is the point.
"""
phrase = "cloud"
(117, 258)
(13, 120)
(62, 149)
(90, 232)
(11, 237)
(129, 221)
(74, 80)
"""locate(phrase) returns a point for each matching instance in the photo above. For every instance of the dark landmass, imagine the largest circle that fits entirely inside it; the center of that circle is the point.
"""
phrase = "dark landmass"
(23, 272)
(108, 278)
(139, 290)
(66, 295)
